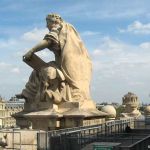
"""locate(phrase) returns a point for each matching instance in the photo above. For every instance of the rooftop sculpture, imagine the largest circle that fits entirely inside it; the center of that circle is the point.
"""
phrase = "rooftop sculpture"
(68, 77)
(60, 87)
(131, 102)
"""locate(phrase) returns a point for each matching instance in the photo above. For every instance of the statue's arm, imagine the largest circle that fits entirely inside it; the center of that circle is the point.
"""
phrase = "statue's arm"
(40, 46)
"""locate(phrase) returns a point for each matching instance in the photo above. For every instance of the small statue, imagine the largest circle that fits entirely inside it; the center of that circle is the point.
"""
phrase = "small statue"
(68, 77)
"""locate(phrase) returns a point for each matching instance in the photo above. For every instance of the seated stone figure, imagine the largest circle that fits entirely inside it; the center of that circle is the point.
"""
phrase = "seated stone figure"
(68, 77)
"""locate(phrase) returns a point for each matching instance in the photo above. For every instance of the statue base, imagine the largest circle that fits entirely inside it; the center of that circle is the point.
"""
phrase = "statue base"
(134, 115)
(65, 115)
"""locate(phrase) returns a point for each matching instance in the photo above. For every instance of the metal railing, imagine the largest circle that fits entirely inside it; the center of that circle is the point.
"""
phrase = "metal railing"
(142, 144)
(78, 137)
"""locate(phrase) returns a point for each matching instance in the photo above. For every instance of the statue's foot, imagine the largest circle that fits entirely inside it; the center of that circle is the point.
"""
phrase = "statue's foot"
(20, 96)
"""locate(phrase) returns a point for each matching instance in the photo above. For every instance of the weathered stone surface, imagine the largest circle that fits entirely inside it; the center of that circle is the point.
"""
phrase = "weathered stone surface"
(58, 90)
(131, 103)
(110, 110)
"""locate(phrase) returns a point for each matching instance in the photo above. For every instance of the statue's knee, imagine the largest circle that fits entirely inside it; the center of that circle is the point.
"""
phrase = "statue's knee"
(49, 73)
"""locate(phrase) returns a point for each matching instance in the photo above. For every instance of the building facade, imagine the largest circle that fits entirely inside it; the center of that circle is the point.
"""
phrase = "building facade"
(7, 109)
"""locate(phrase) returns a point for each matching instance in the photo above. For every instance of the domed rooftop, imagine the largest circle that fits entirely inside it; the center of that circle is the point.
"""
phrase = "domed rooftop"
(130, 99)
(130, 94)
(110, 110)
(147, 109)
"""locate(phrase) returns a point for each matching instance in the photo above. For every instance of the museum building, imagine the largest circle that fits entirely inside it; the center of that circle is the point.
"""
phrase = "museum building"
(7, 108)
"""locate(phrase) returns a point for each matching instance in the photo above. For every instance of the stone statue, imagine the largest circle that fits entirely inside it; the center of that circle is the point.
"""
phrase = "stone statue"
(68, 77)
(131, 102)
(57, 94)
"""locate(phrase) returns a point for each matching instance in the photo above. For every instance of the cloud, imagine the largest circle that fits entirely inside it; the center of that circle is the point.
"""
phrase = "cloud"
(145, 45)
(118, 68)
(116, 54)
(137, 28)
(136, 83)
(101, 10)
(3, 65)
(34, 35)
(6, 68)
(15, 70)
(90, 33)
(113, 14)
(46, 55)
(7, 44)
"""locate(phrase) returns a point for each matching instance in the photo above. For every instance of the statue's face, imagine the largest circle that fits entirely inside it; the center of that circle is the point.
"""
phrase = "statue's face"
(50, 24)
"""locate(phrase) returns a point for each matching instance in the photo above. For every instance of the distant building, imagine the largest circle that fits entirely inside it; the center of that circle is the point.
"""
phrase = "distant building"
(7, 108)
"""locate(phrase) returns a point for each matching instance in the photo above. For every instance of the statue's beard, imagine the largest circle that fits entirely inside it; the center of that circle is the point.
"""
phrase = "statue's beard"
(55, 28)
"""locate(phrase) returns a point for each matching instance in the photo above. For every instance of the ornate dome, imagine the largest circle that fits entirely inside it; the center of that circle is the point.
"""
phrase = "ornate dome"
(130, 94)
(147, 110)
(131, 102)
(130, 99)
(110, 110)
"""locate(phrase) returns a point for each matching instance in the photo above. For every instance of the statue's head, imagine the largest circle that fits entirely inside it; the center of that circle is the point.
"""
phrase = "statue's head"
(52, 20)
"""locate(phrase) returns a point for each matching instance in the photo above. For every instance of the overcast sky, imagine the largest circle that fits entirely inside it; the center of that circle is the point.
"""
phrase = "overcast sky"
(116, 34)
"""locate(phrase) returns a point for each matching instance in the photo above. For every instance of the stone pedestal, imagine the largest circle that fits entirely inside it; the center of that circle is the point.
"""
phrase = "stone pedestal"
(69, 121)
(21, 121)
(65, 115)
(44, 123)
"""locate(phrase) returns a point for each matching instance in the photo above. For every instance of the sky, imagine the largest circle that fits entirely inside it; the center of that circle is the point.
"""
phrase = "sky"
(115, 32)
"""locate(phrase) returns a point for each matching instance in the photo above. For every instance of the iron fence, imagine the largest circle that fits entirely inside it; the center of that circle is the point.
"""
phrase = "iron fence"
(78, 137)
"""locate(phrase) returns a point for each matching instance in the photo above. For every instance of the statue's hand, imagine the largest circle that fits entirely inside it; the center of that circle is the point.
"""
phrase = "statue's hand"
(28, 55)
